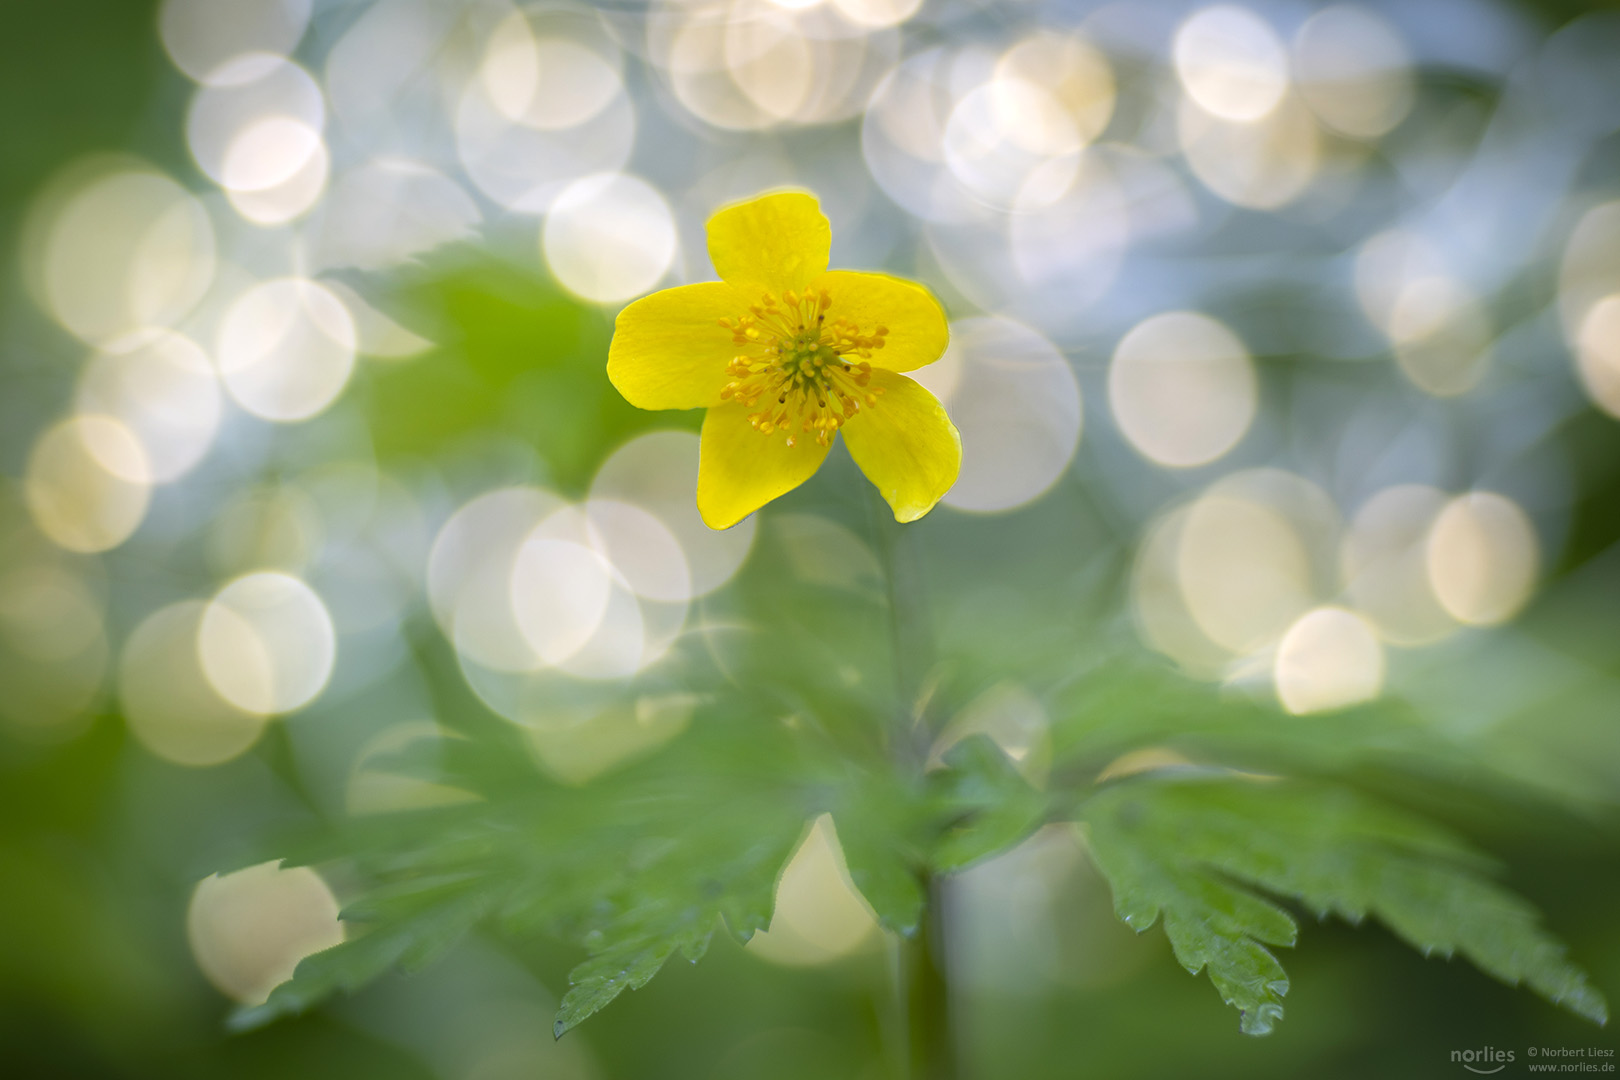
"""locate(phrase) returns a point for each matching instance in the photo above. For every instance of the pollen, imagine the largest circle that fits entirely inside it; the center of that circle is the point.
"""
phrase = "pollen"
(810, 373)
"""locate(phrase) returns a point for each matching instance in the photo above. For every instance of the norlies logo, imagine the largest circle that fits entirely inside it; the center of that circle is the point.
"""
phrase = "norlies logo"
(1485, 1061)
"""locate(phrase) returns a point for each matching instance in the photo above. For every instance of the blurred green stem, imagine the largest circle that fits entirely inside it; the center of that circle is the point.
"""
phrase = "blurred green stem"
(930, 1041)
(922, 990)
(910, 735)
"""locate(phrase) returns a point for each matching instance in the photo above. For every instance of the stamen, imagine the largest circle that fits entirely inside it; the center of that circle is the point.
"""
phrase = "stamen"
(815, 374)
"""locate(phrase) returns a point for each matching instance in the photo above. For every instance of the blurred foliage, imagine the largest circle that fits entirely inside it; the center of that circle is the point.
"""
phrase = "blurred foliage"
(600, 884)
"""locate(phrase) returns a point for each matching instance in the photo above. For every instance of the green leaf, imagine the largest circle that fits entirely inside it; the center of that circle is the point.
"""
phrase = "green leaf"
(636, 866)
(672, 905)
(882, 869)
(1181, 850)
(603, 977)
(1209, 924)
(988, 804)
(894, 834)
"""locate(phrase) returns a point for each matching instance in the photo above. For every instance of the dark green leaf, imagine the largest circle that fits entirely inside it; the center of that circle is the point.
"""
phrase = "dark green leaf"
(1173, 848)
(987, 802)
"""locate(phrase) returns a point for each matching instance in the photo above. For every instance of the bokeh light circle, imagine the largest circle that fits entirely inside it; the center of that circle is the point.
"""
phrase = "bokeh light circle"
(1182, 388)
(286, 349)
(561, 586)
(1011, 143)
(469, 575)
(1590, 269)
(1243, 571)
(88, 483)
(1231, 62)
(1158, 605)
(548, 83)
(1442, 335)
(524, 168)
(289, 197)
(53, 640)
(1597, 354)
(248, 930)
(1016, 402)
(658, 473)
(1328, 659)
(47, 612)
(256, 132)
(877, 13)
(1080, 81)
(161, 386)
(122, 251)
(201, 36)
(266, 643)
(1354, 71)
(1483, 557)
(1387, 265)
(902, 138)
(1253, 553)
(818, 916)
(167, 699)
(1262, 164)
(641, 548)
(1384, 560)
(609, 237)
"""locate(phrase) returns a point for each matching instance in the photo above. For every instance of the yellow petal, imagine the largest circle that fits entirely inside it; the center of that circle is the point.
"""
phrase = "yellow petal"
(669, 350)
(740, 470)
(906, 445)
(775, 242)
(918, 331)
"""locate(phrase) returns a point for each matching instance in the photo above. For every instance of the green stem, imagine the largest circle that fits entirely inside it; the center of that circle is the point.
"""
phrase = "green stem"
(922, 987)
(931, 1040)
(910, 735)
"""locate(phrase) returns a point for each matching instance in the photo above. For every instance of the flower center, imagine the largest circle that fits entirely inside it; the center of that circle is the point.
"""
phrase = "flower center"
(811, 373)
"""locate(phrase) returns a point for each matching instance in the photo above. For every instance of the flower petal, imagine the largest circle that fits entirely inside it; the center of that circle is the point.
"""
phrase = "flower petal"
(906, 445)
(775, 242)
(669, 350)
(918, 331)
(740, 470)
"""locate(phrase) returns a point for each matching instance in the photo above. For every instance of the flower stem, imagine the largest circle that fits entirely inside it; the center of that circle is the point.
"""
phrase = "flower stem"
(932, 1042)
(922, 989)
(909, 735)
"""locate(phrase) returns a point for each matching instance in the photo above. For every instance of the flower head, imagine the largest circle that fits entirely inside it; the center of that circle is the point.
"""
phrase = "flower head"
(785, 355)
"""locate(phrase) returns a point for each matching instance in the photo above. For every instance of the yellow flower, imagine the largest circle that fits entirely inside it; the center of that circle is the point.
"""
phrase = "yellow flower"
(785, 354)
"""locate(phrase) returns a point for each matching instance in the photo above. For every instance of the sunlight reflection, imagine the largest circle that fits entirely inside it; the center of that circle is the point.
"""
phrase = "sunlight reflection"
(167, 698)
(161, 387)
(266, 643)
(1483, 557)
(1328, 659)
(1182, 388)
(88, 483)
(1231, 62)
(202, 35)
(118, 250)
(286, 349)
(249, 929)
(1354, 71)
(609, 237)
(1017, 404)
(819, 916)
